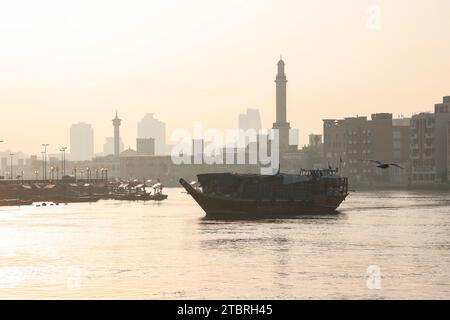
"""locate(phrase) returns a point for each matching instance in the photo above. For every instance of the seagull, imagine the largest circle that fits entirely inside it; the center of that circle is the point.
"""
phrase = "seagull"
(383, 165)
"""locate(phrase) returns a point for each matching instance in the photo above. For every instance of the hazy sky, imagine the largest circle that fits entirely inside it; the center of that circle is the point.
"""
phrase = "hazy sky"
(67, 61)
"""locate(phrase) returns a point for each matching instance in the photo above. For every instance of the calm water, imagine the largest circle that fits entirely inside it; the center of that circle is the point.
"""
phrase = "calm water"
(114, 249)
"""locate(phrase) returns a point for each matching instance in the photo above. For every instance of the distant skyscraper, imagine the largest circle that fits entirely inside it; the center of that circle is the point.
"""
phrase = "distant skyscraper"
(81, 142)
(150, 127)
(4, 163)
(145, 146)
(315, 139)
(116, 123)
(251, 120)
(281, 124)
(108, 146)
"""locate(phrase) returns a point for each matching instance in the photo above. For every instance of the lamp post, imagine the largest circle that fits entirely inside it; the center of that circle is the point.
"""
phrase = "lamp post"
(63, 160)
(12, 155)
(43, 166)
(36, 173)
(45, 145)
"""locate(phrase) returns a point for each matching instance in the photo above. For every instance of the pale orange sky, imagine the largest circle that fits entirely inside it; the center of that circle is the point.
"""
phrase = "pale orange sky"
(67, 61)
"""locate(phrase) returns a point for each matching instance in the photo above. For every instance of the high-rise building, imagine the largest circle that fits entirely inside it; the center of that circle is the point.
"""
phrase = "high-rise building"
(315, 139)
(145, 146)
(4, 163)
(250, 120)
(430, 143)
(250, 124)
(108, 146)
(81, 142)
(150, 127)
(116, 123)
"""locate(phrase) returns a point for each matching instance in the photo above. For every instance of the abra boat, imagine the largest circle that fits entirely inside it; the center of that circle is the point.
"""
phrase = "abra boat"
(15, 202)
(281, 195)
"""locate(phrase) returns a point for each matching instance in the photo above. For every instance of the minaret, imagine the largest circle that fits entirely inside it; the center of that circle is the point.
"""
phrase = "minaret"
(281, 124)
(116, 123)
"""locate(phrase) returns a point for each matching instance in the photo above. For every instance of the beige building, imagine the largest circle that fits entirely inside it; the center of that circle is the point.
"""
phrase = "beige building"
(448, 152)
(430, 145)
(350, 143)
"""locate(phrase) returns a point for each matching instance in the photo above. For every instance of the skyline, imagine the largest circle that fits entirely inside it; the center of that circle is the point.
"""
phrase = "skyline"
(82, 71)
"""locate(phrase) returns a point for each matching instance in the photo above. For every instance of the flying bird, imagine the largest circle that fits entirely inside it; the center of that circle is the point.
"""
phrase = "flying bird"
(383, 165)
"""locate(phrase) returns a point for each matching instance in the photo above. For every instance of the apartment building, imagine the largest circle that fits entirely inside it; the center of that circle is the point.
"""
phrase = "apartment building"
(350, 144)
(429, 145)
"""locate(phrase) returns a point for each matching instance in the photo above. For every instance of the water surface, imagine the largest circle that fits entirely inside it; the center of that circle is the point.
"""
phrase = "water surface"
(114, 249)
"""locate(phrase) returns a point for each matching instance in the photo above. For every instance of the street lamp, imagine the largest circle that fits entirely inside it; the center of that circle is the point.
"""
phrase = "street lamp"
(45, 145)
(63, 160)
(43, 166)
(12, 155)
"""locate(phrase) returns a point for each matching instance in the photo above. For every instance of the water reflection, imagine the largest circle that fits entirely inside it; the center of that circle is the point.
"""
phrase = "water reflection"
(337, 215)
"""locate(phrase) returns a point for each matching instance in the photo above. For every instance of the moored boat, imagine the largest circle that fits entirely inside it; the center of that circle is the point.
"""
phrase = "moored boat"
(158, 197)
(15, 202)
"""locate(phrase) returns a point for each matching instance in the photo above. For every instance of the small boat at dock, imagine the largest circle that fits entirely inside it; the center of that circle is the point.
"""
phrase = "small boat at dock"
(15, 202)
(138, 192)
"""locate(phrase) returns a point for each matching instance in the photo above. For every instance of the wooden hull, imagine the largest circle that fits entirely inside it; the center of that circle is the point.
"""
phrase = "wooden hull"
(159, 197)
(77, 199)
(217, 206)
(141, 197)
(132, 197)
(15, 202)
